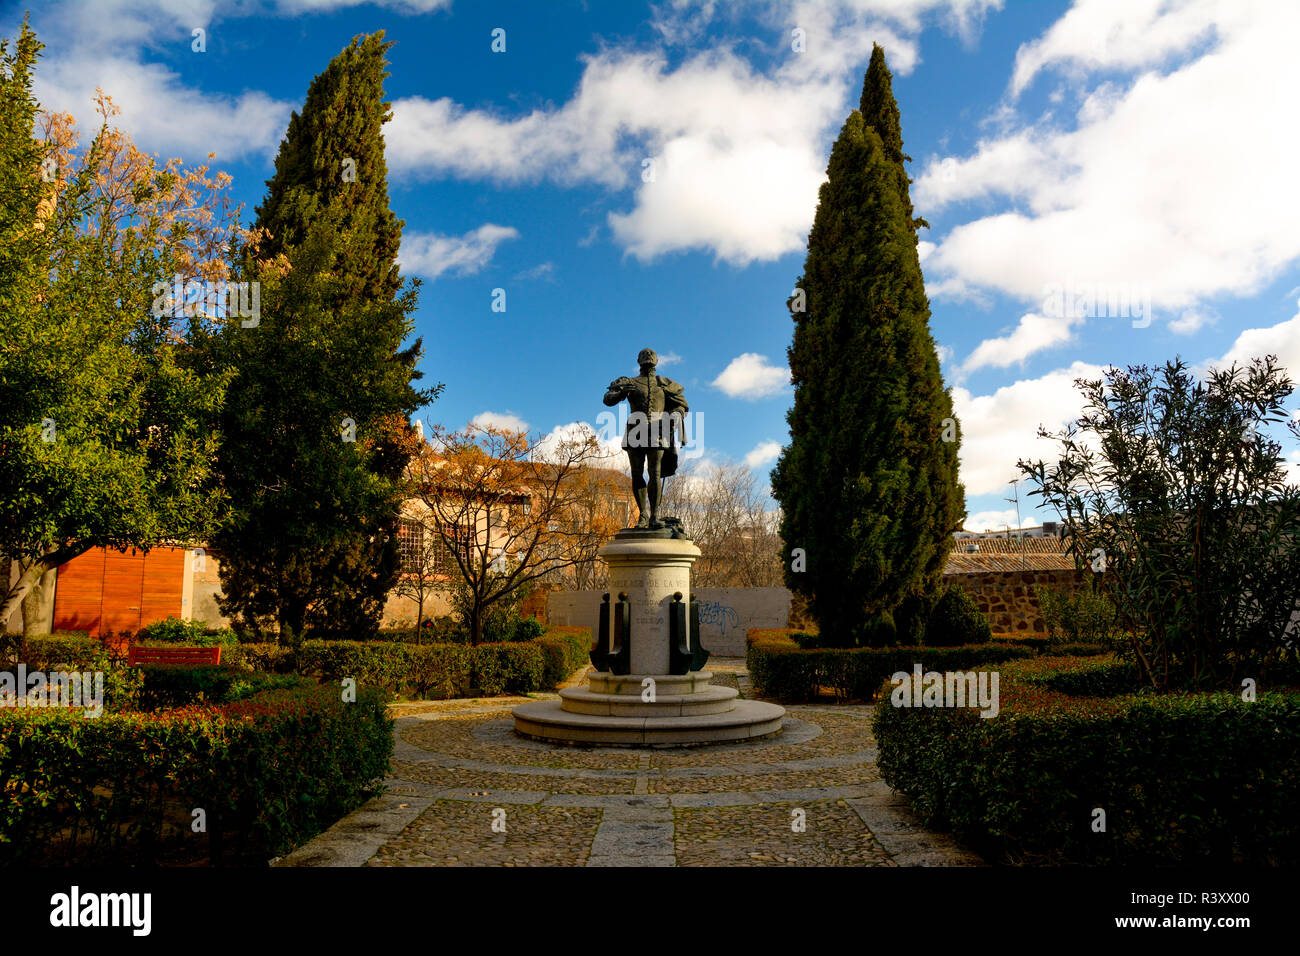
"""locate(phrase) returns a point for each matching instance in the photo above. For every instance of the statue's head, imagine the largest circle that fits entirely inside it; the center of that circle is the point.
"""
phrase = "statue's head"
(647, 357)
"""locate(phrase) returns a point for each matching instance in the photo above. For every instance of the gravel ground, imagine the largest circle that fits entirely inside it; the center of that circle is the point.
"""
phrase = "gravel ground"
(763, 835)
(452, 833)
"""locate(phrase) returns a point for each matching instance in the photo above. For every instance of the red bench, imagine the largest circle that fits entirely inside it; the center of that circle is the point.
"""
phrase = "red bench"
(172, 655)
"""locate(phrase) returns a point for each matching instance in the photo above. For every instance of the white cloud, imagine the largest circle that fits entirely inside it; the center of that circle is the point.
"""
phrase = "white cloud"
(999, 429)
(503, 420)
(430, 255)
(998, 520)
(704, 197)
(151, 99)
(1033, 334)
(739, 153)
(1097, 34)
(1282, 340)
(741, 150)
(611, 449)
(1138, 193)
(105, 43)
(1191, 321)
(763, 453)
(750, 376)
(541, 271)
(669, 358)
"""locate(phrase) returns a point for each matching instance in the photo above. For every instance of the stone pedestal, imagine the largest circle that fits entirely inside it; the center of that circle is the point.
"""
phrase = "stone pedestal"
(651, 571)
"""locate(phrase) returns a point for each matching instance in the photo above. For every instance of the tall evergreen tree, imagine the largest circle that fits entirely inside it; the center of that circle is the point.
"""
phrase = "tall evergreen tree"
(317, 430)
(868, 484)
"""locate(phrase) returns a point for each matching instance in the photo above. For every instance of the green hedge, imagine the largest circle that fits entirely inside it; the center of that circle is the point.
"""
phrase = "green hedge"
(426, 671)
(566, 650)
(1203, 778)
(780, 669)
(269, 772)
(49, 652)
(439, 671)
(167, 686)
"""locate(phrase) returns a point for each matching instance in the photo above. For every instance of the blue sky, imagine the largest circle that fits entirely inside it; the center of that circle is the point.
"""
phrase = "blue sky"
(1137, 157)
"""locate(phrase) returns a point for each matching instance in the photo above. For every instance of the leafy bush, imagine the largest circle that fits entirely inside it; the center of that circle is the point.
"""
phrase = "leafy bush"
(1082, 617)
(1183, 778)
(879, 630)
(956, 620)
(175, 630)
(1172, 487)
(270, 772)
(780, 669)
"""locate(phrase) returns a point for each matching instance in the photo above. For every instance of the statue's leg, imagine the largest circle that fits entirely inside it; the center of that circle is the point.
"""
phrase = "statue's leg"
(637, 457)
(653, 460)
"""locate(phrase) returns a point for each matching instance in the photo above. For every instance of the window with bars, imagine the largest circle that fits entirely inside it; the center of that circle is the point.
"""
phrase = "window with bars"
(424, 550)
(444, 562)
(410, 542)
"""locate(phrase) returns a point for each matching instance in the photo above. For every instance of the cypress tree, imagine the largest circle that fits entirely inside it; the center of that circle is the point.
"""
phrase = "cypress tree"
(868, 484)
(317, 429)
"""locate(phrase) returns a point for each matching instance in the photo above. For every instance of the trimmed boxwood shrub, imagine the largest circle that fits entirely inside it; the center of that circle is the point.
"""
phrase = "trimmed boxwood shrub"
(167, 686)
(1081, 677)
(439, 671)
(566, 650)
(780, 669)
(429, 671)
(956, 621)
(262, 657)
(55, 651)
(270, 772)
(508, 667)
(1183, 778)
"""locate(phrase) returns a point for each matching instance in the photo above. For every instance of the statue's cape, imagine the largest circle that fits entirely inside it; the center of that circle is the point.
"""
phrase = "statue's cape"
(674, 394)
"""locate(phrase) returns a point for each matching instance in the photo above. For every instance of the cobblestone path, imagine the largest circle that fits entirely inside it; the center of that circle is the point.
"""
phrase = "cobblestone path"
(466, 791)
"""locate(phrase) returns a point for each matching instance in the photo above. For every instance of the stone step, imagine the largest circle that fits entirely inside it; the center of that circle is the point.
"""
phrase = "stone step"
(709, 700)
(546, 720)
(630, 685)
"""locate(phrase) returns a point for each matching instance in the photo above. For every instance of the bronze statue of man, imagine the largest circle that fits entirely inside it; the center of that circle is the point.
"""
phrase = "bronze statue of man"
(658, 406)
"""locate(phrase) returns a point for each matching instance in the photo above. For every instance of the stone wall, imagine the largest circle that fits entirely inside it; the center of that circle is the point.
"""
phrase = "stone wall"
(1008, 600)
(725, 614)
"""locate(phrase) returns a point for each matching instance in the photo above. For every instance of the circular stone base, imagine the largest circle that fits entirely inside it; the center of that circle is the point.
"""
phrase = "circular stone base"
(710, 700)
(546, 720)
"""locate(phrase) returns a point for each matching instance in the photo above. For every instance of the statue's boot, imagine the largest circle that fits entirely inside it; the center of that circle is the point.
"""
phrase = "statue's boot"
(655, 523)
(643, 521)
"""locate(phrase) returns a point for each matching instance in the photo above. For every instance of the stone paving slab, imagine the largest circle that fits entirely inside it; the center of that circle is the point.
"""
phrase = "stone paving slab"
(456, 767)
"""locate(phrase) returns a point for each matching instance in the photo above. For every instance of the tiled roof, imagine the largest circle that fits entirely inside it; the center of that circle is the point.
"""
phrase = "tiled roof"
(1009, 554)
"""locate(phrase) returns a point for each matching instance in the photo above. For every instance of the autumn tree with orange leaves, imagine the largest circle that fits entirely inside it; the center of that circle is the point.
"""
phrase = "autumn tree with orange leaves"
(510, 509)
(106, 421)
